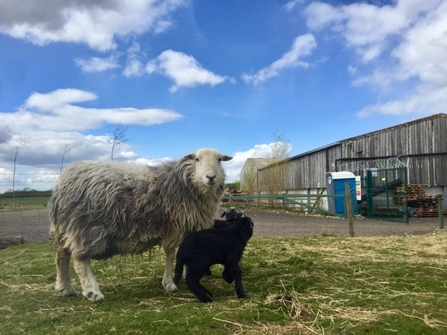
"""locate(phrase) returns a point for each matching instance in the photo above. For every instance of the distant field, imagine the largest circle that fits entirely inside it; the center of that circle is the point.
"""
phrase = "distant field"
(8, 204)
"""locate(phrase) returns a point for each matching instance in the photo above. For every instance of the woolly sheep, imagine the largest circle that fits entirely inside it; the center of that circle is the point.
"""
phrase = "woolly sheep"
(201, 249)
(101, 209)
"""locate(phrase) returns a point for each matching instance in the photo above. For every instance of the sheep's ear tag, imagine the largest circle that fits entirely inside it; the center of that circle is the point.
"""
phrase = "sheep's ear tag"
(190, 156)
(226, 158)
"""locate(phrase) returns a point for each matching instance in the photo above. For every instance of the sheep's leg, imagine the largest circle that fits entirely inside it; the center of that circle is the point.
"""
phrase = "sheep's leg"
(90, 287)
(167, 281)
(63, 282)
(193, 276)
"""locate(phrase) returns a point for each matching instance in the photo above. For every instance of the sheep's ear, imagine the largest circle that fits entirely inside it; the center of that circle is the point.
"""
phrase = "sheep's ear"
(223, 214)
(226, 158)
(190, 156)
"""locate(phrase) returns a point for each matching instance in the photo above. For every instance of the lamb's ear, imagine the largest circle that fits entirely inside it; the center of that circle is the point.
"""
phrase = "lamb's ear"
(226, 157)
(223, 214)
(190, 156)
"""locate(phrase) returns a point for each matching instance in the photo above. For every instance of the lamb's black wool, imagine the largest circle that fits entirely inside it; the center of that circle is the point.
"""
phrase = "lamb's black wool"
(201, 249)
(230, 214)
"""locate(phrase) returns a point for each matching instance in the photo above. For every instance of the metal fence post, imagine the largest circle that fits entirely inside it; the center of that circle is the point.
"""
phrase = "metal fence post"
(440, 212)
(349, 209)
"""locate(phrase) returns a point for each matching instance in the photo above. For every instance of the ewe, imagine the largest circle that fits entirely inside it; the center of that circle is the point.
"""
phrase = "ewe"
(201, 249)
(101, 209)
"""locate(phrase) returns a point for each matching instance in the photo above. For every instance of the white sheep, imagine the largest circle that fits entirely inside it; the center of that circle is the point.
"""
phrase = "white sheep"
(101, 209)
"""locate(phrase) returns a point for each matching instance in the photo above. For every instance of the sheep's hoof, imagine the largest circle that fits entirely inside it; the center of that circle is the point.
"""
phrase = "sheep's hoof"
(67, 292)
(94, 296)
(170, 287)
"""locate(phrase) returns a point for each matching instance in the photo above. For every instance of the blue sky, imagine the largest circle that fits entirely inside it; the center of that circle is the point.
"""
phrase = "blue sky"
(183, 74)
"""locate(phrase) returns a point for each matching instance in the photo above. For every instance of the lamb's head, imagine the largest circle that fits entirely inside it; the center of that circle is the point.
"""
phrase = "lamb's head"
(208, 170)
(232, 214)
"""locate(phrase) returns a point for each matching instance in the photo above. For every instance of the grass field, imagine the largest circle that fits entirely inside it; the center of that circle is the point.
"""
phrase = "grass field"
(8, 204)
(299, 285)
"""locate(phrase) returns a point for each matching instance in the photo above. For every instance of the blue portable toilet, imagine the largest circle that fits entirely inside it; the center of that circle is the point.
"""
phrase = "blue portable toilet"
(335, 184)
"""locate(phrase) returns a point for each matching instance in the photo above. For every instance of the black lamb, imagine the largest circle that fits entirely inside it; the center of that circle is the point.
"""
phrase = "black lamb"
(201, 249)
(230, 214)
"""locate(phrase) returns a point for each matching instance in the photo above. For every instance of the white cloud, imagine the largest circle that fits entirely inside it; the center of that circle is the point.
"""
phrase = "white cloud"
(183, 69)
(56, 110)
(365, 27)
(54, 99)
(134, 66)
(97, 64)
(427, 100)
(302, 46)
(95, 23)
(402, 46)
(53, 120)
(234, 167)
(289, 6)
(423, 49)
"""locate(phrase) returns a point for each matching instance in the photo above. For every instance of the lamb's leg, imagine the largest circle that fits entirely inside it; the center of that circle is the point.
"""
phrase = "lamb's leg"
(208, 272)
(227, 275)
(237, 273)
(193, 276)
(167, 281)
(90, 287)
(63, 282)
(179, 264)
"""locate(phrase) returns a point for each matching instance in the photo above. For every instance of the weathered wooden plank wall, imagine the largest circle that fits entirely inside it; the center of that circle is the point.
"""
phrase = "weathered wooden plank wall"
(421, 143)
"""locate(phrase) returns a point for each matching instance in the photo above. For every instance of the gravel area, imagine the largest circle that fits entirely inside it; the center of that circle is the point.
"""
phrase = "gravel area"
(34, 225)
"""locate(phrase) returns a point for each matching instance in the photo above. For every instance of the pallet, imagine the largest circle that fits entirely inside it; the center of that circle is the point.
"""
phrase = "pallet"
(428, 214)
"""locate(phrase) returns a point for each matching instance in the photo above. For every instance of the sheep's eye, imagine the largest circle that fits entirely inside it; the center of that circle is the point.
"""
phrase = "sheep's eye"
(197, 159)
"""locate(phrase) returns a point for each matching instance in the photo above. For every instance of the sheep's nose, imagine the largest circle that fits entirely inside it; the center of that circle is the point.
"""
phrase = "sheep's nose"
(211, 178)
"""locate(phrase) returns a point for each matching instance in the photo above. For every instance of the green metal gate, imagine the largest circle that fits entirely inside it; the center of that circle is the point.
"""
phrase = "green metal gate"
(386, 194)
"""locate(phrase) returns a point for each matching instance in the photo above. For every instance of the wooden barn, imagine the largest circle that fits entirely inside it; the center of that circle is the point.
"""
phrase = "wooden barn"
(419, 146)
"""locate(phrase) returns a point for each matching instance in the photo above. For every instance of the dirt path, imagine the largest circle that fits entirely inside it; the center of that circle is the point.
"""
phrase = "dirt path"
(34, 225)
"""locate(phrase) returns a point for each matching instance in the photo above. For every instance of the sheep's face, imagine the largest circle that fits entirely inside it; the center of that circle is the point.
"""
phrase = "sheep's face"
(208, 168)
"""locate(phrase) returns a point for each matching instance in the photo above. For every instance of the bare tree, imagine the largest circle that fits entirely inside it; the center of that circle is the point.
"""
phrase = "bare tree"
(67, 149)
(274, 176)
(20, 142)
(117, 138)
(249, 179)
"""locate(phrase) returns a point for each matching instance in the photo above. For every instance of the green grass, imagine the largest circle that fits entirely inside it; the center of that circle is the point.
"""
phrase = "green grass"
(294, 285)
(23, 203)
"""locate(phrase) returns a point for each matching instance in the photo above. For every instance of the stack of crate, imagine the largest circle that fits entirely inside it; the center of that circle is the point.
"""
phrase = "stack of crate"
(417, 199)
